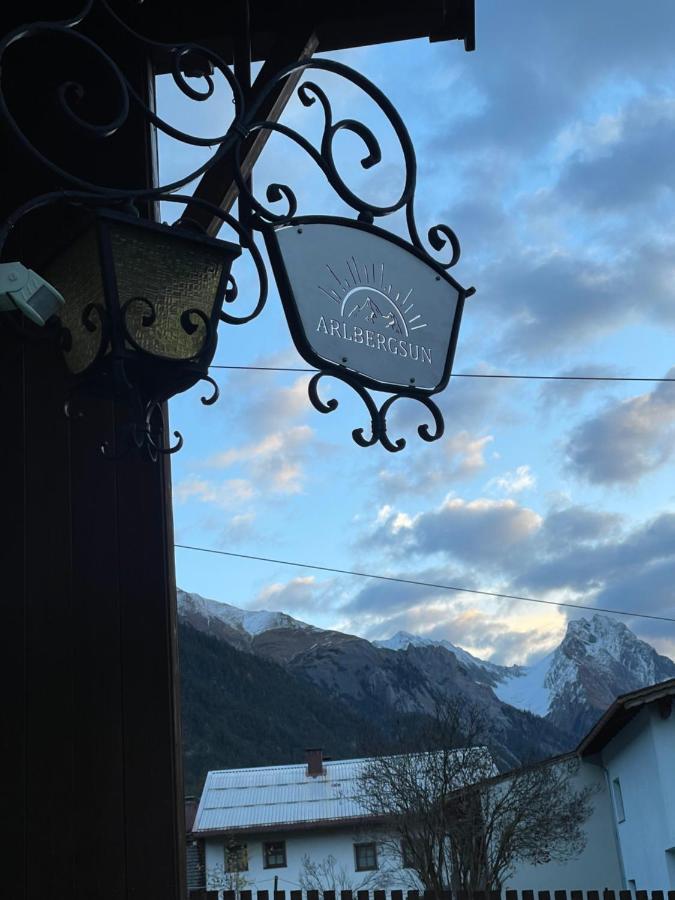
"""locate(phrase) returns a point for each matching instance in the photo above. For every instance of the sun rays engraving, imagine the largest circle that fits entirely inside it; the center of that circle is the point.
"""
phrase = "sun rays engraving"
(365, 294)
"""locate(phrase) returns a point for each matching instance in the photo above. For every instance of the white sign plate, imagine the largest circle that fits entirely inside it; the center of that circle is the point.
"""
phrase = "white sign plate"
(368, 304)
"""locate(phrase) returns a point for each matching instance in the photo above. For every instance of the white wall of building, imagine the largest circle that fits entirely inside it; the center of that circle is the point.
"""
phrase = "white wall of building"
(318, 844)
(642, 758)
(598, 866)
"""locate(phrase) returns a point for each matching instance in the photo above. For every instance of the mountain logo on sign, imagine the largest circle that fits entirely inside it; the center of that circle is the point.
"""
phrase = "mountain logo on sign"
(364, 295)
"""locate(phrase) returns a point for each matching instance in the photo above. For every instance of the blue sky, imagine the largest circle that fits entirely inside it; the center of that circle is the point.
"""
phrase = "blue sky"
(550, 152)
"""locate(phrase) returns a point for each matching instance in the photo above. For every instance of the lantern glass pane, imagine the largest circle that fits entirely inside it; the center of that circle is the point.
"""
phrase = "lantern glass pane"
(174, 275)
(76, 274)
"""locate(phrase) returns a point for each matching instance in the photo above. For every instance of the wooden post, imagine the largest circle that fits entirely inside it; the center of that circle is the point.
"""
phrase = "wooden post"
(91, 724)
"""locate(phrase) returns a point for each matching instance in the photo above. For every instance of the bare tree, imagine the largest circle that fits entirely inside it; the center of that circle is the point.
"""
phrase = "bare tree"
(328, 874)
(454, 822)
(324, 875)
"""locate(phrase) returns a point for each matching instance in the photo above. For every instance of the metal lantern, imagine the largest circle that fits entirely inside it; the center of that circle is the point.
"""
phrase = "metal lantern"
(142, 302)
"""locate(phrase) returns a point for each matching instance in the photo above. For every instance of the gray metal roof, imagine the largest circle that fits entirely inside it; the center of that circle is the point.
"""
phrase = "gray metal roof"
(247, 799)
(279, 795)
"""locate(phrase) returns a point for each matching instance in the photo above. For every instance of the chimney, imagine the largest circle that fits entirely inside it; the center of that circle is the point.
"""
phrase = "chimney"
(314, 759)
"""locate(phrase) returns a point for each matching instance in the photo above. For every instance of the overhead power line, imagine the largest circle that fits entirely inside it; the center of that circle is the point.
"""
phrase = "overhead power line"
(429, 584)
(468, 374)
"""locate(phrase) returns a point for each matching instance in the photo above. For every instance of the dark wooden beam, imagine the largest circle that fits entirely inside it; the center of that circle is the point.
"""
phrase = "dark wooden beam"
(90, 738)
(218, 185)
(349, 23)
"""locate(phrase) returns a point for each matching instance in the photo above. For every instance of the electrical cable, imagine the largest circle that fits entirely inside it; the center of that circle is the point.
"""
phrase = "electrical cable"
(430, 584)
(468, 374)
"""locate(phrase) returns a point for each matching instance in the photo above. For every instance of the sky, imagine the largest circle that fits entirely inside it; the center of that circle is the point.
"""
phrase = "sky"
(550, 151)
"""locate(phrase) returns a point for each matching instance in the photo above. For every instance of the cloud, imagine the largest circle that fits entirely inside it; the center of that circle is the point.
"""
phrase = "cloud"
(470, 407)
(521, 479)
(630, 163)
(625, 440)
(536, 66)
(303, 597)
(574, 554)
(556, 300)
(298, 593)
(240, 529)
(482, 627)
(573, 525)
(377, 600)
(460, 456)
(562, 174)
(476, 531)
(601, 561)
(226, 493)
(276, 408)
(504, 639)
(275, 462)
(570, 392)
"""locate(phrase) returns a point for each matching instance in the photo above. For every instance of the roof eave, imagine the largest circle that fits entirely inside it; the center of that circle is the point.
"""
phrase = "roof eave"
(620, 713)
(349, 822)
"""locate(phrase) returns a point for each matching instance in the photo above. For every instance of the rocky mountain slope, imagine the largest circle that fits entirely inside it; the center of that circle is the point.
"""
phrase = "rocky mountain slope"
(598, 659)
(385, 691)
(243, 710)
(482, 671)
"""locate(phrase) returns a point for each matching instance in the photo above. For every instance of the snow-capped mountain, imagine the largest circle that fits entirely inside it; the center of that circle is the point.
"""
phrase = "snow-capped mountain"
(598, 659)
(386, 689)
(493, 673)
(250, 622)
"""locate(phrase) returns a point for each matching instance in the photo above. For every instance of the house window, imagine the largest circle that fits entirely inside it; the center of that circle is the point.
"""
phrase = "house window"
(236, 858)
(274, 854)
(365, 857)
(618, 800)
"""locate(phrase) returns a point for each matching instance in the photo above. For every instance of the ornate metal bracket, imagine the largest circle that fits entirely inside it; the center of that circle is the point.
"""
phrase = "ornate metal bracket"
(190, 64)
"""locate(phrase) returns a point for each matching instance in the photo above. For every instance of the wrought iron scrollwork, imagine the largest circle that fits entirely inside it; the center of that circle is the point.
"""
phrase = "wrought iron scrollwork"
(146, 429)
(193, 68)
(378, 416)
(147, 432)
(71, 93)
(309, 93)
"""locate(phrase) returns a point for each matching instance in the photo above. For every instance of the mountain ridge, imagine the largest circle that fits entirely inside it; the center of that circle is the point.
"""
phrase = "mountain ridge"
(569, 688)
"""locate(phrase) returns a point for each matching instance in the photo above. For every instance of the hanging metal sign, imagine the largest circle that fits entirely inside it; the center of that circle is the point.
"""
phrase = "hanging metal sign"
(361, 300)
(365, 306)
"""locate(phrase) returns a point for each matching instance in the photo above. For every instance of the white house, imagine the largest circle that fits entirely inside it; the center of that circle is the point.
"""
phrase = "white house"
(629, 755)
(259, 826)
(633, 746)
(284, 825)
